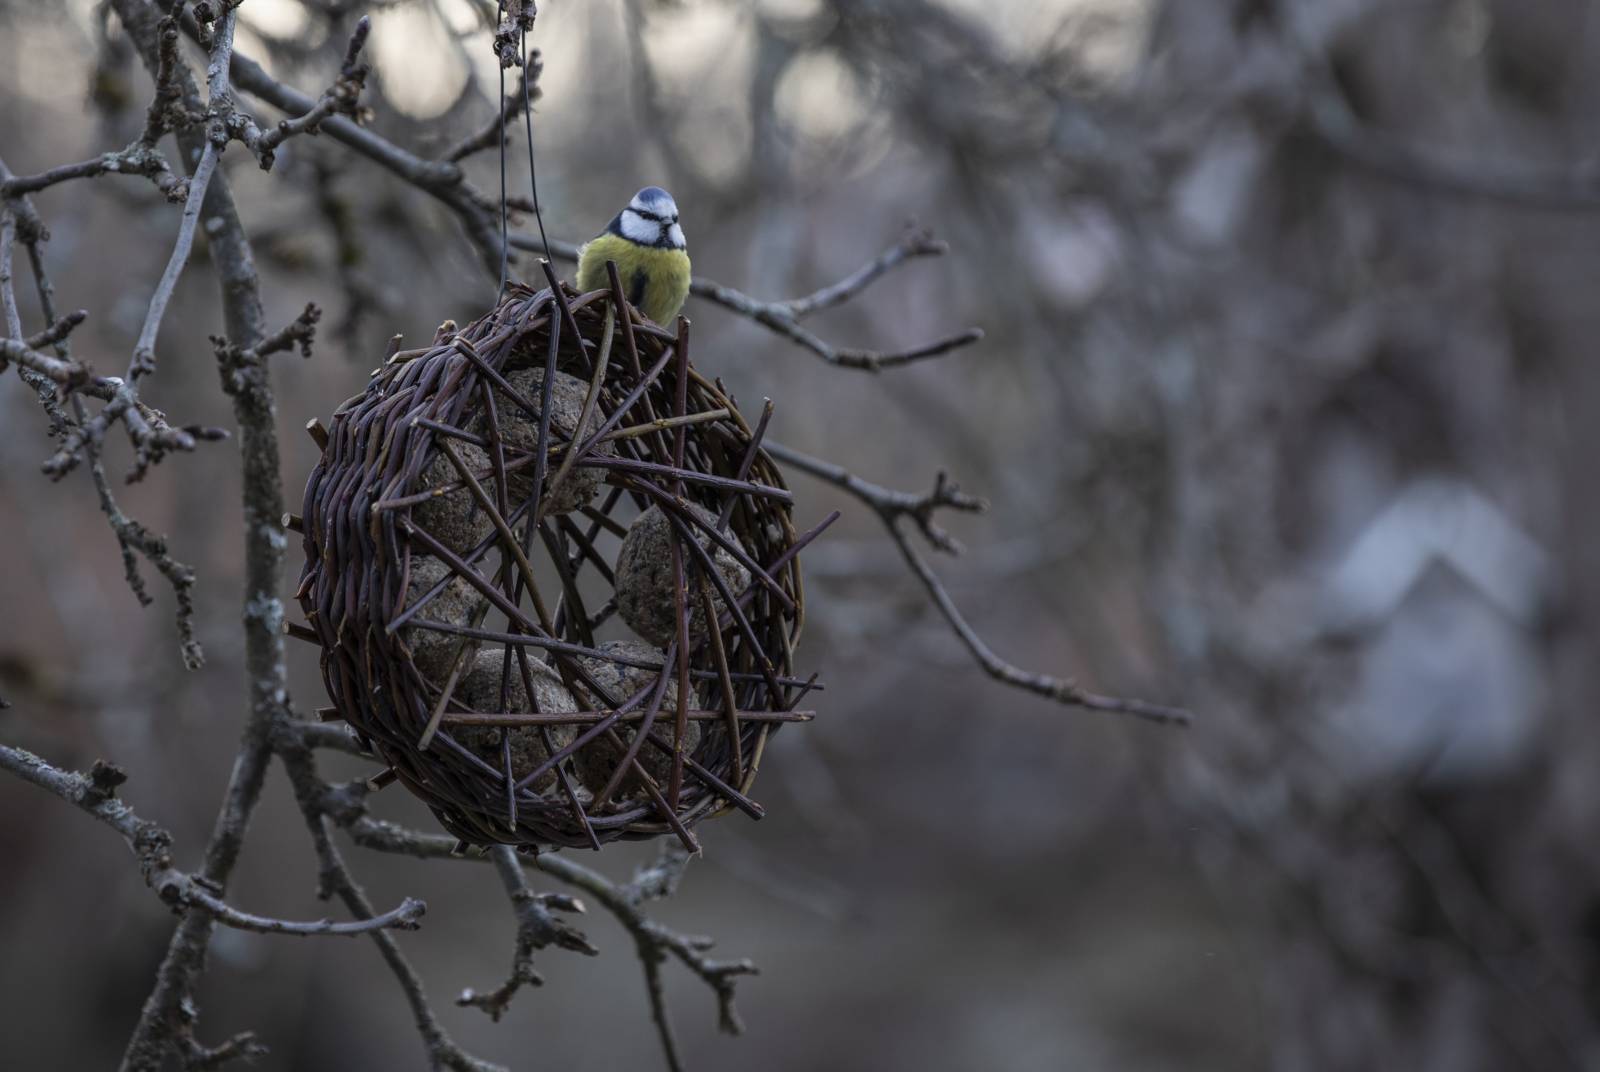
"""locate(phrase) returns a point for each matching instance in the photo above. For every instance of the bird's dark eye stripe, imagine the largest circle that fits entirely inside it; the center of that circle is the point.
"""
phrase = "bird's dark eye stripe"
(648, 215)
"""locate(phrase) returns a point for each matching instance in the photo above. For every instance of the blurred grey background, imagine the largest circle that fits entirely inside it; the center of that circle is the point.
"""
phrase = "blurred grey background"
(1287, 413)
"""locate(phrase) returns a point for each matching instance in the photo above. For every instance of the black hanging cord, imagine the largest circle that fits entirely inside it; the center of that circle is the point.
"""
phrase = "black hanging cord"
(533, 175)
(505, 242)
(527, 119)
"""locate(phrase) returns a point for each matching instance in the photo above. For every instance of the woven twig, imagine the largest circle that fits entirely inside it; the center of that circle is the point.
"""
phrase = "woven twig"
(686, 734)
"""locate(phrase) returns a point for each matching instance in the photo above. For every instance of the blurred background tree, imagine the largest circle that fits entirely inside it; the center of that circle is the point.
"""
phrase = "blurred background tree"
(1284, 410)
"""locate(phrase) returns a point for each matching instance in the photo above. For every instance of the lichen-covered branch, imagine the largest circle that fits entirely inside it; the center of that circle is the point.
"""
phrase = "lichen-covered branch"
(162, 1022)
(142, 158)
(95, 794)
(335, 880)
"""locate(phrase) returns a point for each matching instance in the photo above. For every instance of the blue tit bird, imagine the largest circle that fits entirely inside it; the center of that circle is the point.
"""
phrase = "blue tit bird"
(652, 259)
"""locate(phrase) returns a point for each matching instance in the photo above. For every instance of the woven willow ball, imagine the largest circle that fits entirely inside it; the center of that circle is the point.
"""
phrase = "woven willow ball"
(480, 690)
(598, 762)
(519, 429)
(665, 456)
(432, 651)
(646, 593)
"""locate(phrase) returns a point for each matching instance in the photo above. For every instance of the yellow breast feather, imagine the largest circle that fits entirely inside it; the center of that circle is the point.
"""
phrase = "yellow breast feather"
(654, 278)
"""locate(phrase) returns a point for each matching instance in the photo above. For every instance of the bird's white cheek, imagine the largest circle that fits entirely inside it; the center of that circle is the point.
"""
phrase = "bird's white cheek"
(636, 228)
(675, 236)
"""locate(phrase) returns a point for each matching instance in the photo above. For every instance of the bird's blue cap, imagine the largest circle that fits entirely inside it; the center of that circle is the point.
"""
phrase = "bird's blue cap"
(652, 195)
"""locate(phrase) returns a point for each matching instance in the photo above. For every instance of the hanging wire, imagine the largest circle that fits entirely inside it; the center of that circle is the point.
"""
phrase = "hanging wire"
(505, 241)
(527, 119)
(504, 236)
(533, 175)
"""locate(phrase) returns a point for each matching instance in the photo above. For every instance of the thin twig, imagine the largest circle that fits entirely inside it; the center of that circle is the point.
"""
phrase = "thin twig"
(133, 539)
(655, 942)
(336, 880)
(341, 98)
(916, 243)
(8, 294)
(162, 1024)
(167, 112)
(510, 108)
(479, 215)
(783, 317)
(137, 159)
(537, 927)
(149, 432)
(95, 794)
(895, 507)
(403, 917)
(217, 74)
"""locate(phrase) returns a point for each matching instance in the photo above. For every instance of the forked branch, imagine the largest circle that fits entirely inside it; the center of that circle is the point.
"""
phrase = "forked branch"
(896, 507)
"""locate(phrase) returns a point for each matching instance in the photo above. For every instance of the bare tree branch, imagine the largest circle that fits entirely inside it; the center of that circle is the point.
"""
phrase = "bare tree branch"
(537, 927)
(443, 180)
(313, 797)
(341, 98)
(893, 507)
(510, 109)
(783, 317)
(654, 941)
(161, 1022)
(166, 113)
(402, 917)
(916, 243)
(167, 1024)
(148, 429)
(95, 794)
(137, 159)
(8, 293)
(478, 215)
(133, 539)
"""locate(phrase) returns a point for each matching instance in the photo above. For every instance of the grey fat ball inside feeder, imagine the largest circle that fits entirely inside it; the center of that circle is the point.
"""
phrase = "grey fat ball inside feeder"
(598, 761)
(432, 650)
(454, 518)
(479, 689)
(646, 596)
(519, 431)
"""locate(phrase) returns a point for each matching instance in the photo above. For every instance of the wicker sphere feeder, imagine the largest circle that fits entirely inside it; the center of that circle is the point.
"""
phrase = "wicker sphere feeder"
(554, 577)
